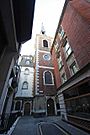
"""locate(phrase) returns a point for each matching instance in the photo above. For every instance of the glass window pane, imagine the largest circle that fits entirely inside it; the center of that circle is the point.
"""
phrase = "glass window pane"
(63, 77)
(73, 68)
(45, 43)
(26, 71)
(48, 78)
(68, 49)
(25, 85)
(60, 63)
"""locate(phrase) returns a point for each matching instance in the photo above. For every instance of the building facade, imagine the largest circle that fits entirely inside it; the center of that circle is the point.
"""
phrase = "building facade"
(12, 28)
(71, 50)
(24, 95)
(45, 89)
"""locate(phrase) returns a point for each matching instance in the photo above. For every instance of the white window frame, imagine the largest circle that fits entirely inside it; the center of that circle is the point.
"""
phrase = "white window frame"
(56, 46)
(66, 50)
(73, 69)
(43, 45)
(61, 33)
(26, 85)
(60, 62)
(51, 76)
(64, 80)
(26, 72)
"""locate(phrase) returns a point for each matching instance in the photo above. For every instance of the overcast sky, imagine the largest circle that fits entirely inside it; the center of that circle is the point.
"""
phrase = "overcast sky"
(48, 12)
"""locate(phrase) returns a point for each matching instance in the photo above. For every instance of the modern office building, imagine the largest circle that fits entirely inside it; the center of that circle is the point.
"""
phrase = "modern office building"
(71, 58)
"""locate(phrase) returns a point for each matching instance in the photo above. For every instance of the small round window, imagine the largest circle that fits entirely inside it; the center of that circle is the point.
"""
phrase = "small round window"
(46, 57)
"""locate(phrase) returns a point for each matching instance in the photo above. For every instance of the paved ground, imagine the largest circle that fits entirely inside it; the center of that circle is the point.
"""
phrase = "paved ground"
(50, 129)
(36, 126)
(45, 126)
(25, 126)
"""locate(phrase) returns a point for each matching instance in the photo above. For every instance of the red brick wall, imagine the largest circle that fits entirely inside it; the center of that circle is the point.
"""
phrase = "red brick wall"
(56, 69)
(76, 25)
(83, 8)
(78, 32)
(43, 62)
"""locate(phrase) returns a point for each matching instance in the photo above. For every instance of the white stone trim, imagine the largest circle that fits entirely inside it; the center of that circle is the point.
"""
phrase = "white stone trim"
(62, 106)
(44, 51)
(37, 71)
(45, 67)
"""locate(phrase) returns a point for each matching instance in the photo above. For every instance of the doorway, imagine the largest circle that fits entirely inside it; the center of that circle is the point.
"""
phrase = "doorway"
(50, 107)
(27, 109)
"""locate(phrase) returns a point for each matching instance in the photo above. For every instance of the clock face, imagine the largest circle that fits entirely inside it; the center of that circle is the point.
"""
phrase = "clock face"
(47, 57)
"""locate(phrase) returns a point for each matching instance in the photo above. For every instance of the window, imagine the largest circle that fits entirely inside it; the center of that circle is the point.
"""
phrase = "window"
(26, 71)
(60, 63)
(63, 78)
(61, 32)
(56, 46)
(46, 56)
(60, 29)
(48, 77)
(45, 43)
(67, 49)
(73, 68)
(57, 49)
(25, 85)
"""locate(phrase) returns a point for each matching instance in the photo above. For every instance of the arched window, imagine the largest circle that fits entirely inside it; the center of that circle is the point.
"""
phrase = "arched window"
(45, 43)
(25, 85)
(26, 71)
(48, 78)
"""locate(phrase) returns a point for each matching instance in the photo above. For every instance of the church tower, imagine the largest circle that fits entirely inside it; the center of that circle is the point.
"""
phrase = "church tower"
(44, 102)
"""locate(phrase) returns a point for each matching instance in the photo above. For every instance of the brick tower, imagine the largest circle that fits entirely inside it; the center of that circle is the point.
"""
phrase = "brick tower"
(44, 101)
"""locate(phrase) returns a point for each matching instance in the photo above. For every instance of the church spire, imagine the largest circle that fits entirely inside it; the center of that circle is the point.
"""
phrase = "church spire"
(42, 29)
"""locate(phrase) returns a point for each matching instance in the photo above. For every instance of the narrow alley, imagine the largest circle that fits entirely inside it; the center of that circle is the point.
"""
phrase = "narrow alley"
(44, 67)
(52, 125)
